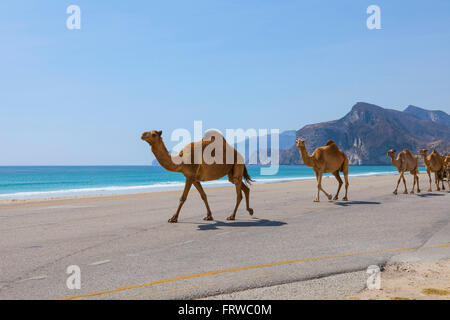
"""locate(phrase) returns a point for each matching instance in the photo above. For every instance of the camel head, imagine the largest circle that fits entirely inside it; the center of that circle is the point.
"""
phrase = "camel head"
(300, 142)
(152, 137)
(447, 160)
(423, 152)
(391, 153)
(436, 153)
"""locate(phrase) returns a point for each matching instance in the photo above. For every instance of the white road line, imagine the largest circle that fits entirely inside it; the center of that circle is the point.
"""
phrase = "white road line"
(34, 278)
(132, 254)
(150, 251)
(99, 262)
(227, 232)
(180, 244)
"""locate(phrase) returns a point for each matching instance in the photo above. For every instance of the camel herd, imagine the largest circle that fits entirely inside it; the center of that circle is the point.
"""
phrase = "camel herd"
(326, 159)
(407, 162)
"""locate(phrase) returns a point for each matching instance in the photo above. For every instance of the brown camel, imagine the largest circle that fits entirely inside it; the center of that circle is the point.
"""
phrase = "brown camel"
(196, 171)
(447, 168)
(434, 163)
(405, 162)
(326, 159)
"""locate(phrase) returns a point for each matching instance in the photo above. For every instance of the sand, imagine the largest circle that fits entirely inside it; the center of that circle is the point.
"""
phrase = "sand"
(412, 281)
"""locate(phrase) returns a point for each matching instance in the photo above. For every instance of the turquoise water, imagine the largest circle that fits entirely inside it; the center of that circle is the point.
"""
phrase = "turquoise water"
(61, 181)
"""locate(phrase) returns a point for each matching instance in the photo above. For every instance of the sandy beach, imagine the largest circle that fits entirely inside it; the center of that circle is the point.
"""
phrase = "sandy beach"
(126, 249)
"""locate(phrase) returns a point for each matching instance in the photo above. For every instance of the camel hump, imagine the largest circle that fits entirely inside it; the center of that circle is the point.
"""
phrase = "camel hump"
(211, 135)
(406, 151)
(331, 146)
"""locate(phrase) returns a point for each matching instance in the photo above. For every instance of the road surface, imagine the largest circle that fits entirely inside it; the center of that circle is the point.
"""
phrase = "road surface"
(291, 248)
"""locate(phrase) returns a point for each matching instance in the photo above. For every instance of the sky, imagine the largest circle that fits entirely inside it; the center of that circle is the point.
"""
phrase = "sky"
(84, 97)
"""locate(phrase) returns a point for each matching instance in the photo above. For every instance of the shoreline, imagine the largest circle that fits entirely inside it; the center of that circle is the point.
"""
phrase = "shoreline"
(117, 196)
(109, 191)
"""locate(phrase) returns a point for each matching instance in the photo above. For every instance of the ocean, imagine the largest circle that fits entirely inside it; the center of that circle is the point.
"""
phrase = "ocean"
(27, 182)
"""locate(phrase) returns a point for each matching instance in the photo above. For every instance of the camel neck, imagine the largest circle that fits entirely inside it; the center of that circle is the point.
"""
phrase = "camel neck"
(395, 162)
(164, 158)
(425, 159)
(305, 156)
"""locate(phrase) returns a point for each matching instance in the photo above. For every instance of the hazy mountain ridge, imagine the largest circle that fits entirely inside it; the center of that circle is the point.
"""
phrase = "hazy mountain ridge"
(368, 131)
(432, 115)
(365, 134)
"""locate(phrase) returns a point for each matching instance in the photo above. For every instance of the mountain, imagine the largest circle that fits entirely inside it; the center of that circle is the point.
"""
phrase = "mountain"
(252, 145)
(368, 131)
(432, 115)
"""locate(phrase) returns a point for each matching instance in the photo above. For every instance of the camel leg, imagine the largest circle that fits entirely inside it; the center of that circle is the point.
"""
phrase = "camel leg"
(436, 181)
(200, 190)
(246, 190)
(398, 182)
(429, 177)
(417, 177)
(413, 173)
(317, 199)
(404, 183)
(238, 184)
(448, 177)
(442, 179)
(319, 188)
(183, 198)
(338, 178)
(345, 172)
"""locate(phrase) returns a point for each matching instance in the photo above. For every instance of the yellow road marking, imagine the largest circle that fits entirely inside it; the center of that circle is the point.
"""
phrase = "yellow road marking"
(444, 246)
(210, 273)
(399, 249)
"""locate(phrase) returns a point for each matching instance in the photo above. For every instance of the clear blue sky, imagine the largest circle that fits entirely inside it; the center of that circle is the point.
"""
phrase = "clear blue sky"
(85, 96)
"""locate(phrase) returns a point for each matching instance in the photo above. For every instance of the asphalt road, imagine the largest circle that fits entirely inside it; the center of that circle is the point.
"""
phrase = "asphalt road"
(291, 247)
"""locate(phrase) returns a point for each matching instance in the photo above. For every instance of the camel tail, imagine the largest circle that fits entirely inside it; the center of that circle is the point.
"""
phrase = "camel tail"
(246, 177)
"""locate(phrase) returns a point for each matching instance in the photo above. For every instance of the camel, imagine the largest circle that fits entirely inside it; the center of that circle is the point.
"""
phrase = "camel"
(405, 162)
(197, 171)
(434, 163)
(326, 159)
(447, 168)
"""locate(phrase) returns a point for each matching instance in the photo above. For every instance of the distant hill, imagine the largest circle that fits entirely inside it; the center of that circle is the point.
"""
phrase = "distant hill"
(368, 131)
(432, 115)
(252, 145)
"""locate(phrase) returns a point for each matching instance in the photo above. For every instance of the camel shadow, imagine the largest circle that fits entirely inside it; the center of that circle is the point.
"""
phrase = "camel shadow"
(349, 203)
(256, 223)
(424, 195)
